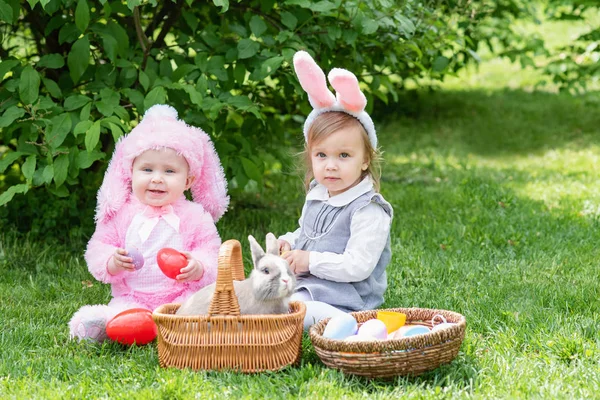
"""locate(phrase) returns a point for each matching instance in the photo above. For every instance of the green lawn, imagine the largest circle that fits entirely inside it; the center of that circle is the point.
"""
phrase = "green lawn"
(497, 210)
(497, 216)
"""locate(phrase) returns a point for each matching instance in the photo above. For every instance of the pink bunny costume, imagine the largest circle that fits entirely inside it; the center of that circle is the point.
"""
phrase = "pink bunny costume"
(121, 219)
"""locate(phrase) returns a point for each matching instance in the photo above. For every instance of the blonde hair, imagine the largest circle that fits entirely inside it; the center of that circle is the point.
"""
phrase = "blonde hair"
(330, 122)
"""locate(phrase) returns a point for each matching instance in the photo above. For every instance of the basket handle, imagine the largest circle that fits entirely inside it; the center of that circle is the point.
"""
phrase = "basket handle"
(231, 266)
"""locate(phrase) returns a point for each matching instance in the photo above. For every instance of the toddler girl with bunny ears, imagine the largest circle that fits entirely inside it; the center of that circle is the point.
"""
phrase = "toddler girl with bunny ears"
(342, 247)
(142, 207)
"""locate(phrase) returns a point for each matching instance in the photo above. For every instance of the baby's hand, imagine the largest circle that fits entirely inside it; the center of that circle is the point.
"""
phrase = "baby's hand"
(283, 246)
(298, 260)
(191, 272)
(120, 262)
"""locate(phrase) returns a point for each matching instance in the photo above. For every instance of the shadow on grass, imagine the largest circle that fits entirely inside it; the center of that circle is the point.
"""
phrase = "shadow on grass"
(468, 232)
(464, 239)
(519, 270)
(488, 122)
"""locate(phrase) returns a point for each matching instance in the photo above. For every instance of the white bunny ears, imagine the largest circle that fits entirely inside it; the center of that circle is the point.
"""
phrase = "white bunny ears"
(348, 98)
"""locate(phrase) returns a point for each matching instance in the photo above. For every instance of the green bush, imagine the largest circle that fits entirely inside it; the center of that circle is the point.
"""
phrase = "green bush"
(571, 68)
(76, 75)
(577, 64)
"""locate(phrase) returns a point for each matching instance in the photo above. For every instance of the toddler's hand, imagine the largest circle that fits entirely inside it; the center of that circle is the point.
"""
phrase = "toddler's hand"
(283, 246)
(298, 260)
(191, 272)
(120, 262)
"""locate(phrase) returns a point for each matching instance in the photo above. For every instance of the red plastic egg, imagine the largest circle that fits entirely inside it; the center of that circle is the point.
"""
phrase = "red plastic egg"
(170, 262)
(132, 326)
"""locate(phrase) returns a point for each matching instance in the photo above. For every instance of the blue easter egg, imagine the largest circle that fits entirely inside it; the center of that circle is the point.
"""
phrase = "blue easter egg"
(340, 327)
(416, 330)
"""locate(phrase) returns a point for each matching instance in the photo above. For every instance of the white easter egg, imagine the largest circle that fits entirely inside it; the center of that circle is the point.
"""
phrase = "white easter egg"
(374, 328)
(441, 326)
(340, 327)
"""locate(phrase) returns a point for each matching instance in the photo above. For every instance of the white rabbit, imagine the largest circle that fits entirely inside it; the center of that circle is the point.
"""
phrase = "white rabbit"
(266, 291)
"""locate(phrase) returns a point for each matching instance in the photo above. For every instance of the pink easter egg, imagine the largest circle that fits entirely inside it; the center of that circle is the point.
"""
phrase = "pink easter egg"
(374, 328)
(136, 255)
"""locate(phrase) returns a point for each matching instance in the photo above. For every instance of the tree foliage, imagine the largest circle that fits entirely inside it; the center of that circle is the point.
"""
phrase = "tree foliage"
(571, 67)
(75, 75)
(577, 64)
(78, 74)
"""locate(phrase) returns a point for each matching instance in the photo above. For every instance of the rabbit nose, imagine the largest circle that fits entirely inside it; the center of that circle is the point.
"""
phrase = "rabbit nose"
(284, 280)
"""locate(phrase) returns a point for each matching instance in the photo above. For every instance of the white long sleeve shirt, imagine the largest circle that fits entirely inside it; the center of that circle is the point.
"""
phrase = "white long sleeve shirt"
(369, 228)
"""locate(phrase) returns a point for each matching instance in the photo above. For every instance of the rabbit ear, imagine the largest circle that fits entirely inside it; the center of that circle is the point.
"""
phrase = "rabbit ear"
(209, 187)
(272, 247)
(312, 80)
(116, 186)
(256, 250)
(347, 90)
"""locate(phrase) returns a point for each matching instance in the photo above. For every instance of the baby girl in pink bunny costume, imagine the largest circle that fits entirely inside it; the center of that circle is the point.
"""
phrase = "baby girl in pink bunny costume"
(142, 207)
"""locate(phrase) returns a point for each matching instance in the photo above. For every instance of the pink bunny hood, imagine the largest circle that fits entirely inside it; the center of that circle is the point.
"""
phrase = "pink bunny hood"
(161, 128)
(349, 98)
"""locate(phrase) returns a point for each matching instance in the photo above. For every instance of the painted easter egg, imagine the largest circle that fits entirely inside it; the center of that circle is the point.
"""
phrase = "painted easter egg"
(170, 262)
(137, 256)
(340, 327)
(441, 326)
(416, 330)
(408, 330)
(132, 326)
(444, 324)
(373, 328)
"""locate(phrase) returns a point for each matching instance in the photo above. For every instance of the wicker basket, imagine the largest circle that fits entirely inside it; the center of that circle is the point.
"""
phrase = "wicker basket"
(388, 358)
(224, 339)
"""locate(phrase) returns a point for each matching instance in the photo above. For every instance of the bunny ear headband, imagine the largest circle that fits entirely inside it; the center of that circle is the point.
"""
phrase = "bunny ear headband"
(161, 128)
(349, 98)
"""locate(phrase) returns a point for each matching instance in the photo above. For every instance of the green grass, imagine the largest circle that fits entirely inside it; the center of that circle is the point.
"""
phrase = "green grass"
(497, 214)
(497, 211)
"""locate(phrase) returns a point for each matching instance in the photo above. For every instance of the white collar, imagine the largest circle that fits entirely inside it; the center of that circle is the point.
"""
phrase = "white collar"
(150, 221)
(319, 192)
